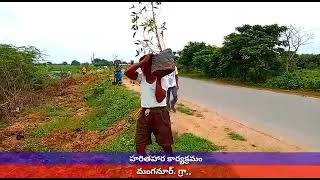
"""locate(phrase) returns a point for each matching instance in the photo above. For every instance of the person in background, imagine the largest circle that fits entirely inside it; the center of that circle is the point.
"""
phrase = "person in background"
(173, 86)
(154, 116)
(118, 74)
(84, 70)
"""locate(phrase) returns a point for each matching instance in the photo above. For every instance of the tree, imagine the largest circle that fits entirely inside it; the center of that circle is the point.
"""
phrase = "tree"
(75, 63)
(308, 61)
(148, 31)
(187, 53)
(85, 64)
(101, 62)
(208, 61)
(251, 53)
(117, 62)
(294, 38)
(17, 69)
(65, 63)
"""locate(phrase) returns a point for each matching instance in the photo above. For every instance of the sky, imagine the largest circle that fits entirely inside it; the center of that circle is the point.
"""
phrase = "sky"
(67, 31)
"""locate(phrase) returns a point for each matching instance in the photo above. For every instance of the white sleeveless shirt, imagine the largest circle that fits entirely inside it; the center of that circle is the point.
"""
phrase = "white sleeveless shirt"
(148, 91)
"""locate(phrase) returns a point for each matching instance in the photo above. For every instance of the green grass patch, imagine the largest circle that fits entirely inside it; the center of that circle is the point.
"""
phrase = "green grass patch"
(34, 146)
(74, 69)
(59, 118)
(301, 79)
(188, 142)
(124, 142)
(3, 124)
(110, 103)
(53, 111)
(184, 109)
(184, 143)
(236, 136)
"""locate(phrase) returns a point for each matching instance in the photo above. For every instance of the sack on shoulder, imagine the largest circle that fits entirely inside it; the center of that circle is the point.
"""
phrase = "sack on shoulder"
(163, 63)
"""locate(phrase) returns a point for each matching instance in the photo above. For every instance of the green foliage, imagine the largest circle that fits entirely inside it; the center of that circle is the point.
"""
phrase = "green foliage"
(148, 32)
(236, 136)
(208, 61)
(101, 62)
(184, 109)
(184, 143)
(3, 124)
(190, 143)
(85, 64)
(75, 62)
(251, 53)
(41, 78)
(308, 61)
(111, 103)
(188, 52)
(63, 69)
(35, 146)
(59, 118)
(304, 79)
(17, 70)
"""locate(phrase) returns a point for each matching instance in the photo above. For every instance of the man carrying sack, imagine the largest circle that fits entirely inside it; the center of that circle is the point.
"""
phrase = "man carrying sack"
(154, 116)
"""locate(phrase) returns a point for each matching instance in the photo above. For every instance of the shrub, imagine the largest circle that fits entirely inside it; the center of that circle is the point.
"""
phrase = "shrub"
(305, 79)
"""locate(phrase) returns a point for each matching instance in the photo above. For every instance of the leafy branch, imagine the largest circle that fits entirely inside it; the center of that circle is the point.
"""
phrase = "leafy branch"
(148, 33)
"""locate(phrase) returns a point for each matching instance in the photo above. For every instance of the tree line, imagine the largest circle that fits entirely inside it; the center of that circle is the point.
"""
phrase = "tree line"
(95, 62)
(253, 53)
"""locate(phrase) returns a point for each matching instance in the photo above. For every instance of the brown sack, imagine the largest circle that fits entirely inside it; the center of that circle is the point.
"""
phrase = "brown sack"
(163, 63)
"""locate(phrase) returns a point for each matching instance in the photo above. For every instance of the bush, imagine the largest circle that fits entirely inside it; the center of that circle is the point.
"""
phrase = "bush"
(305, 79)
(75, 63)
(41, 78)
(308, 61)
(17, 69)
(19, 75)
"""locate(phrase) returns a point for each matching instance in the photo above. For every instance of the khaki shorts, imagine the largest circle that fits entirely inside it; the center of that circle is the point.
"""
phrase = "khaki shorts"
(156, 122)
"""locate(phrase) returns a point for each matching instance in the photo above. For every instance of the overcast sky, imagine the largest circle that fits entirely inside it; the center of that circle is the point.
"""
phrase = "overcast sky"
(68, 31)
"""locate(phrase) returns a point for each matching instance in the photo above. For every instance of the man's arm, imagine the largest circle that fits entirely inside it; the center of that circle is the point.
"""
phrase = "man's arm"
(177, 81)
(160, 92)
(131, 73)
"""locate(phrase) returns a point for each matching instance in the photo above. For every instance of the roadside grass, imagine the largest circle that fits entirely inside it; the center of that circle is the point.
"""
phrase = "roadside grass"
(236, 136)
(59, 118)
(188, 142)
(184, 109)
(110, 104)
(184, 143)
(34, 146)
(124, 142)
(74, 69)
(3, 124)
